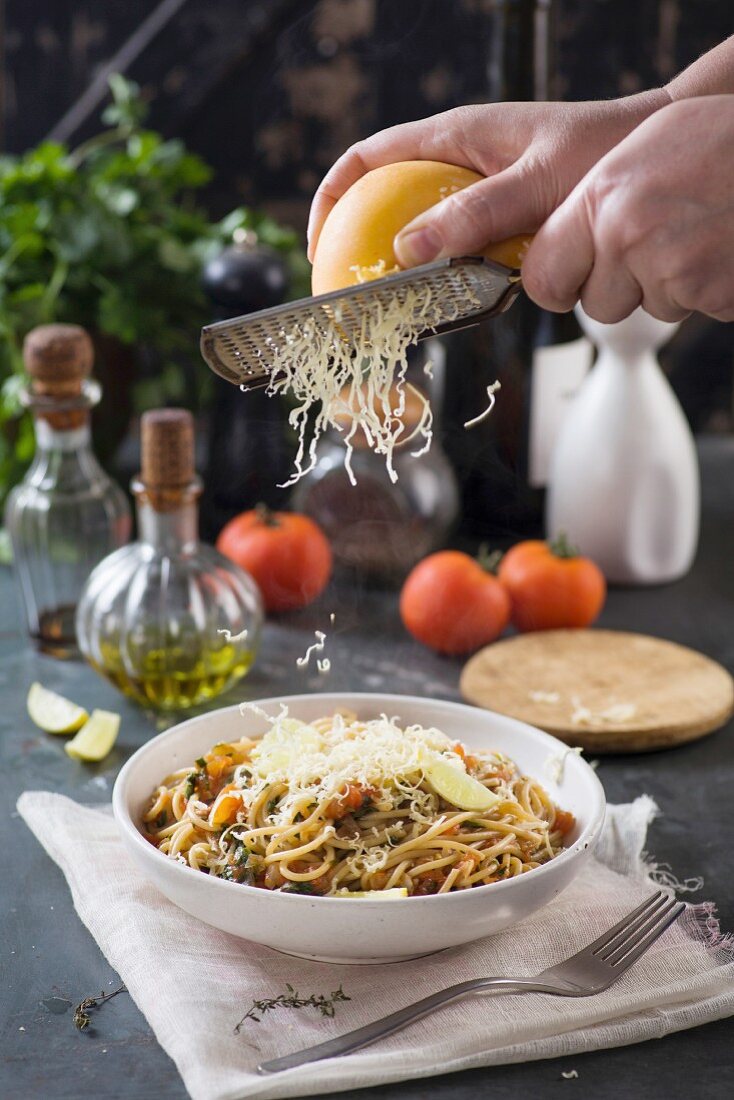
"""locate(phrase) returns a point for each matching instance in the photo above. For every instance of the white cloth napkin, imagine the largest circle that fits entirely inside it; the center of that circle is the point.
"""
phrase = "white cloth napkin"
(194, 983)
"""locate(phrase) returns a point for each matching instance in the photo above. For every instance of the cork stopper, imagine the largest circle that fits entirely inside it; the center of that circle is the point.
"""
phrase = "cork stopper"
(58, 360)
(167, 442)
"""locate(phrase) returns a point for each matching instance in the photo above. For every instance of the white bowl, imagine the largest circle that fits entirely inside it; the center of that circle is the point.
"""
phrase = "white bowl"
(362, 930)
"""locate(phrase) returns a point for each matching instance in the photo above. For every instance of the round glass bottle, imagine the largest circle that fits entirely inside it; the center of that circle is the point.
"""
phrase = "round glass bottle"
(168, 620)
(381, 528)
(66, 514)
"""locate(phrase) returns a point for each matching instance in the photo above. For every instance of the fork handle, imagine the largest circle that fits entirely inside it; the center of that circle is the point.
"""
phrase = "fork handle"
(370, 1033)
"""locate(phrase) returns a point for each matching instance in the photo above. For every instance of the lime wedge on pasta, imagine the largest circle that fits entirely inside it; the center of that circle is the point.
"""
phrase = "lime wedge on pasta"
(96, 737)
(285, 743)
(459, 788)
(376, 895)
(53, 713)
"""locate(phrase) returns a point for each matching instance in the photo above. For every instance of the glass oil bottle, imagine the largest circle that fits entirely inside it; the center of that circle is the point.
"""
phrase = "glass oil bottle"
(167, 619)
(66, 514)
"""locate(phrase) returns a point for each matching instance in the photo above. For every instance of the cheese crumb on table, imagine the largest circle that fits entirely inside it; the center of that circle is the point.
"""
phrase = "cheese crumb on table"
(615, 712)
(544, 696)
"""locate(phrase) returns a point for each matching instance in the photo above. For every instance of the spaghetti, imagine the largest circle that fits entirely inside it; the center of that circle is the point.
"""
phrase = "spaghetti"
(340, 806)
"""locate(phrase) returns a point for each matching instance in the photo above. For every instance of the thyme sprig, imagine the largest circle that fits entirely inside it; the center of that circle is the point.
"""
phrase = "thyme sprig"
(293, 999)
(82, 1019)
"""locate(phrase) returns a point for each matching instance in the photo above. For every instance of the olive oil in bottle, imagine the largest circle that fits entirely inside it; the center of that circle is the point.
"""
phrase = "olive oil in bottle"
(168, 620)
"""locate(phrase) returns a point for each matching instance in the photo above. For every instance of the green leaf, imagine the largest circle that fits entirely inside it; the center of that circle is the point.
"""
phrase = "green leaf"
(27, 293)
(117, 315)
(127, 107)
(119, 200)
(110, 236)
(174, 256)
(10, 395)
(6, 548)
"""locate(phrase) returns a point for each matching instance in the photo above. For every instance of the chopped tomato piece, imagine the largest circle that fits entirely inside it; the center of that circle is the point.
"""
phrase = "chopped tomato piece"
(564, 821)
(217, 765)
(430, 882)
(226, 809)
(469, 760)
(351, 799)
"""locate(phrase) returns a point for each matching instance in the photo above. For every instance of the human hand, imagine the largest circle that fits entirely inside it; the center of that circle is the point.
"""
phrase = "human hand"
(532, 153)
(652, 223)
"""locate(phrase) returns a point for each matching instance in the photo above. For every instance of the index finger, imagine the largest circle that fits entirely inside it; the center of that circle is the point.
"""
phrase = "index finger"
(426, 139)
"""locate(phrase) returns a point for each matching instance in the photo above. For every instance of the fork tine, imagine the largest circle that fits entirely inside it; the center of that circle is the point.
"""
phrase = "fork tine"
(610, 933)
(632, 925)
(628, 952)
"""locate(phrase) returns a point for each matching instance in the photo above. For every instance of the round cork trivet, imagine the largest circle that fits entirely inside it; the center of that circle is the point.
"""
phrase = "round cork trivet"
(605, 690)
(58, 359)
(167, 446)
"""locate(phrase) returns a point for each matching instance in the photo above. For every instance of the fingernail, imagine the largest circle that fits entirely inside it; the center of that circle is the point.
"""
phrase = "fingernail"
(418, 246)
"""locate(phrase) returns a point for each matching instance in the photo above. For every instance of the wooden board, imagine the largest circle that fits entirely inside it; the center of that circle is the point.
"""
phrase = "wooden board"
(605, 690)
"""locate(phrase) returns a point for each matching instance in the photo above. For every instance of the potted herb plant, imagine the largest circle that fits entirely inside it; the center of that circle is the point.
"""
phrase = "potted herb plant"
(109, 235)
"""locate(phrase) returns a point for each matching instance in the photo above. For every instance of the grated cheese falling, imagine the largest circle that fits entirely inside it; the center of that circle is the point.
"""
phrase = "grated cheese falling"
(233, 638)
(491, 391)
(316, 360)
(316, 647)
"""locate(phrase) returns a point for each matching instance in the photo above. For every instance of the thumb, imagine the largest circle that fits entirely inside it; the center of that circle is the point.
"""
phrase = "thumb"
(465, 222)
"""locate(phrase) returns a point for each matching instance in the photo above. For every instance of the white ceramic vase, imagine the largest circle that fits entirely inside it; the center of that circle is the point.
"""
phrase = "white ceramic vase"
(624, 479)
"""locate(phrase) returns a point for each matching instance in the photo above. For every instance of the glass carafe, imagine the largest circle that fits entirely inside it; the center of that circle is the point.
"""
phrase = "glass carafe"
(167, 619)
(66, 514)
(381, 528)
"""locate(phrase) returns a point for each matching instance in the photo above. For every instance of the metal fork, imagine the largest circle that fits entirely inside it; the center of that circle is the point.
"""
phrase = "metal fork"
(592, 970)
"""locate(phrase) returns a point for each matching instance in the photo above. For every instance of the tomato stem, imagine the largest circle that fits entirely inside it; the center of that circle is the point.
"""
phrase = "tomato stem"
(561, 547)
(488, 559)
(266, 515)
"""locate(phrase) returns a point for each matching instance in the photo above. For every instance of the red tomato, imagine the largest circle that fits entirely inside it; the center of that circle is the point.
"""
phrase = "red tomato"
(452, 604)
(287, 554)
(551, 586)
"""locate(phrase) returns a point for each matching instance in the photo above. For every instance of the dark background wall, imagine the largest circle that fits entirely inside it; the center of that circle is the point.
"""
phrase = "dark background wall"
(270, 93)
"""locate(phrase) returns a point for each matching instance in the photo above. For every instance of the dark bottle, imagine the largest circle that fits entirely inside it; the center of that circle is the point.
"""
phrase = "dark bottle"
(500, 500)
(248, 453)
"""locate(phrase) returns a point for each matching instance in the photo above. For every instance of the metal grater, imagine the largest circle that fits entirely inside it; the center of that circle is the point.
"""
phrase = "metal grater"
(238, 349)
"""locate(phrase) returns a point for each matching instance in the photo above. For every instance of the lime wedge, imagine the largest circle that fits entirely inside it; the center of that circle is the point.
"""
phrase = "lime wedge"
(282, 745)
(457, 787)
(96, 737)
(377, 895)
(53, 713)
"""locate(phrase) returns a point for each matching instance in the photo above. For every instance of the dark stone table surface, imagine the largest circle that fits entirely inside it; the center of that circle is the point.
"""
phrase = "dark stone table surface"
(49, 958)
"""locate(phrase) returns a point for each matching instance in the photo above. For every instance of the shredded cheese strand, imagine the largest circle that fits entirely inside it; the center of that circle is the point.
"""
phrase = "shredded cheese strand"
(491, 390)
(316, 361)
